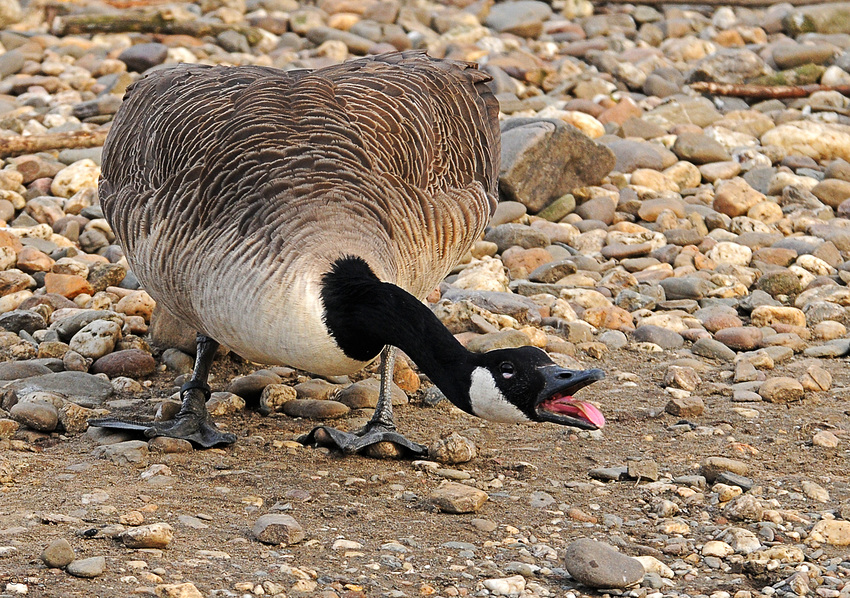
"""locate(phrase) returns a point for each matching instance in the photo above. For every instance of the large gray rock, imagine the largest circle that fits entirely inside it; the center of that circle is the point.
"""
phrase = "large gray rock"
(598, 565)
(542, 159)
(81, 388)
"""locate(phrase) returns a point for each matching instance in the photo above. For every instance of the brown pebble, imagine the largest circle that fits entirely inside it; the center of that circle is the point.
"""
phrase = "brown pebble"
(164, 444)
(686, 407)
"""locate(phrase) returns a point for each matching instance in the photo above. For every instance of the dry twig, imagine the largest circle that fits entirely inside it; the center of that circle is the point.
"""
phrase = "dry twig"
(765, 92)
(30, 144)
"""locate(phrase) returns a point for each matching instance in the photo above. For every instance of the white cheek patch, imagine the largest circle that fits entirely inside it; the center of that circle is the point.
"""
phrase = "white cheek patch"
(488, 402)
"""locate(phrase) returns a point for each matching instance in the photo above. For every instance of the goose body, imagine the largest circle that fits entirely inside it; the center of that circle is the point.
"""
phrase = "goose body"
(300, 217)
(233, 190)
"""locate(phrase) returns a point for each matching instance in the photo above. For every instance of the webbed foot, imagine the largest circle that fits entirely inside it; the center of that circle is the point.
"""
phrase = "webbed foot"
(363, 439)
(192, 423)
(202, 433)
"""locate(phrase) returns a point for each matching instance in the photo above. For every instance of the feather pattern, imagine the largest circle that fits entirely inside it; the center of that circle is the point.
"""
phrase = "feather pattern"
(233, 189)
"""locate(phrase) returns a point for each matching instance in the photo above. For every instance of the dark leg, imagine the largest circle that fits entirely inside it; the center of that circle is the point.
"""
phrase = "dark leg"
(380, 428)
(192, 422)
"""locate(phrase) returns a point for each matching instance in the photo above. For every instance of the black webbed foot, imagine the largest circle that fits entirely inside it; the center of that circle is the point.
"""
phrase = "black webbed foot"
(192, 422)
(356, 442)
(204, 434)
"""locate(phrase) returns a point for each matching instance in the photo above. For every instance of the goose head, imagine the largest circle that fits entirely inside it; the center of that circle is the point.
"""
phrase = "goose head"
(524, 384)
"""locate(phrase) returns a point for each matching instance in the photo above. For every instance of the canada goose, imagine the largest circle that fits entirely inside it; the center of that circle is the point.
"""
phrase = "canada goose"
(300, 217)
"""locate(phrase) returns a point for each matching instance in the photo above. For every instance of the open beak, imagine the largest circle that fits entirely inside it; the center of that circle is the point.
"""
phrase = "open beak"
(556, 404)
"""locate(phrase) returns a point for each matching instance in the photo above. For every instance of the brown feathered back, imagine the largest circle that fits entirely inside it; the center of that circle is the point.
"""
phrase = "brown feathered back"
(232, 189)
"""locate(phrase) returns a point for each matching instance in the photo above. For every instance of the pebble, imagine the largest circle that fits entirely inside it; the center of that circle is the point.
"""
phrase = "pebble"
(123, 453)
(686, 407)
(133, 363)
(825, 439)
(744, 508)
(84, 389)
(506, 586)
(452, 449)
(179, 590)
(155, 535)
(831, 531)
(58, 553)
(36, 415)
(598, 565)
(315, 409)
(90, 567)
(452, 497)
(781, 389)
(278, 529)
(364, 394)
(712, 467)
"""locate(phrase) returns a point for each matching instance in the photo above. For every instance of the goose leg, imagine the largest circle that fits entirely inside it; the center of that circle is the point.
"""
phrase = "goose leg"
(380, 427)
(192, 422)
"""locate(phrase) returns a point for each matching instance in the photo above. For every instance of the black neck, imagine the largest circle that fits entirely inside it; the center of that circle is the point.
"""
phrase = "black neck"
(363, 314)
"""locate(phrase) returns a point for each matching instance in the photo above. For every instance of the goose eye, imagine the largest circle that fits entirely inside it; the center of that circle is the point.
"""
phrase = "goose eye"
(506, 368)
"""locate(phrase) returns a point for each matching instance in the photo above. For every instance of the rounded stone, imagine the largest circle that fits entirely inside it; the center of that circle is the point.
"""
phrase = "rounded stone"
(21, 319)
(599, 565)
(90, 567)
(716, 322)
(779, 282)
(781, 389)
(364, 394)
(130, 362)
(713, 349)
(744, 338)
(40, 416)
(769, 315)
(251, 387)
(96, 339)
(315, 409)
(664, 338)
(164, 444)
(453, 449)
(507, 211)
(735, 197)
(74, 418)
(58, 553)
(508, 235)
(687, 287)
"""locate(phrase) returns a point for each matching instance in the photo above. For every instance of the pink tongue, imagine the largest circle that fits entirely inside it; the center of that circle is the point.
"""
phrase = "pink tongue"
(591, 413)
(570, 406)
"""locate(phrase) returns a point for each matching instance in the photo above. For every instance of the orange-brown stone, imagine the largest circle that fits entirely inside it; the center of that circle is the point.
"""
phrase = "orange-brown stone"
(609, 316)
(7, 239)
(67, 285)
(520, 262)
(32, 260)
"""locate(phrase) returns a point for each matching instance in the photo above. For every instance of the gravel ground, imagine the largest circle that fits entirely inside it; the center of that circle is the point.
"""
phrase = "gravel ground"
(696, 248)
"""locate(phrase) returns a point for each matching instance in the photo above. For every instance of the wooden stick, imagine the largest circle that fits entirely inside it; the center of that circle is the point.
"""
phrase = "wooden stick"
(765, 92)
(31, 144)
(145, 22)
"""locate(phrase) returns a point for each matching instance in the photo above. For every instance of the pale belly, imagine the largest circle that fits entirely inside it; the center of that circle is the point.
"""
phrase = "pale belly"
(269, 315)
